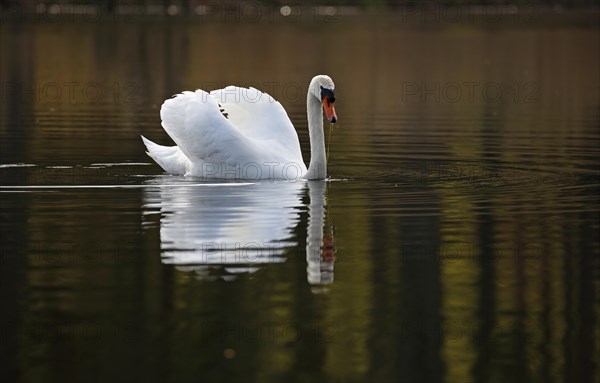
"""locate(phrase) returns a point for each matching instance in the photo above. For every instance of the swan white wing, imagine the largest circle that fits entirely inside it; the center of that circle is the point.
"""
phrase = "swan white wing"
(261, 118)
(194, 121)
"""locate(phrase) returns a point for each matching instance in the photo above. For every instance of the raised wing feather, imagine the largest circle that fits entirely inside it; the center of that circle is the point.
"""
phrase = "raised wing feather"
(194, 121)
(261, 118)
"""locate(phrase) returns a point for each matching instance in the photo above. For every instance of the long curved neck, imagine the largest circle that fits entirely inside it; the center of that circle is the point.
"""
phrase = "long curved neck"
(317, 168)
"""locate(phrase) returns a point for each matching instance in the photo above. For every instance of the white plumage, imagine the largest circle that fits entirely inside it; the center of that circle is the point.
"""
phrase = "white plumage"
(239, 133)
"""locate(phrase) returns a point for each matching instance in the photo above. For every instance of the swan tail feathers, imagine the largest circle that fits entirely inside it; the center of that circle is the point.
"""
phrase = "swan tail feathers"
(170, 158)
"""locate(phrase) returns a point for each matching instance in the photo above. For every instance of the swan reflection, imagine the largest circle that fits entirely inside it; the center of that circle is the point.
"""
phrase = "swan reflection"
(220, 230)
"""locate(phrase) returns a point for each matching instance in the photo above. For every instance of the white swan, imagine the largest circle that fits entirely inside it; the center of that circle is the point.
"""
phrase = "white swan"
(242, 133)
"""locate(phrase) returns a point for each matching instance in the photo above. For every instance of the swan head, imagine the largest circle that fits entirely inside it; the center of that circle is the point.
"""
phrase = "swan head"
(323, 88)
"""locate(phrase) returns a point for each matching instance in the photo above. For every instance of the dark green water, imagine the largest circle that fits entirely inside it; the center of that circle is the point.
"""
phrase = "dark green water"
(457, 240)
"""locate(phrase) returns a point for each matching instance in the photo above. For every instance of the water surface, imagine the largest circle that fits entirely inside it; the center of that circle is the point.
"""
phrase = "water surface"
(457, 239)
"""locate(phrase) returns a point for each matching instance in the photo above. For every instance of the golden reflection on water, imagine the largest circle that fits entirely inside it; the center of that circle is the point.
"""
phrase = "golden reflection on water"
(465, 233)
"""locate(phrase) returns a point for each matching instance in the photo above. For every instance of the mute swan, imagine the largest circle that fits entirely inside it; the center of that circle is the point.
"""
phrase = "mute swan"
(242, 133)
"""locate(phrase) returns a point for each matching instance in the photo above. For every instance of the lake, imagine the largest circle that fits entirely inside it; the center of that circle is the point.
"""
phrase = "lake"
(456, 240)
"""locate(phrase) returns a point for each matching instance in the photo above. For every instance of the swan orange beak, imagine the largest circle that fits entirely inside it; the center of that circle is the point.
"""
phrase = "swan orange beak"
(329, 110)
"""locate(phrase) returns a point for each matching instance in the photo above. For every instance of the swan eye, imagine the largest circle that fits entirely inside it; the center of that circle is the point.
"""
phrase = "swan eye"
(327, 93)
